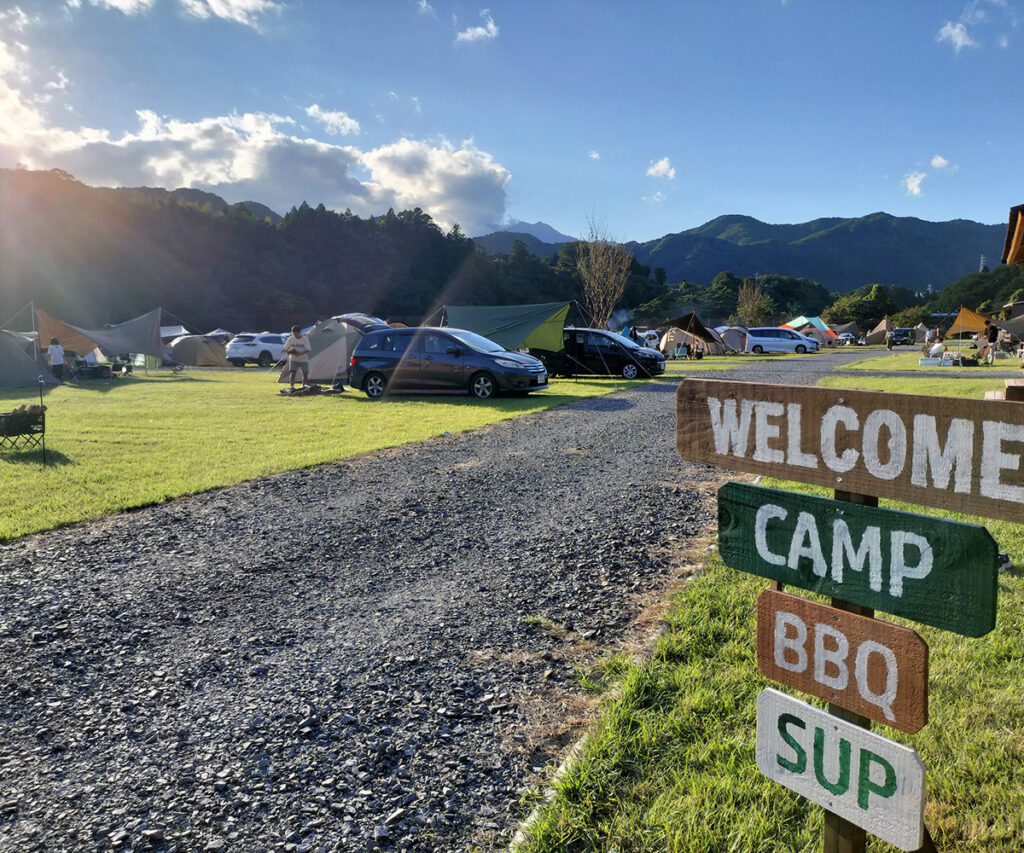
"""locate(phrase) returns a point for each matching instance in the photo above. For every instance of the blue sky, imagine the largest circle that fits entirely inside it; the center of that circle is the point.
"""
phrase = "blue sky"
(647, 118)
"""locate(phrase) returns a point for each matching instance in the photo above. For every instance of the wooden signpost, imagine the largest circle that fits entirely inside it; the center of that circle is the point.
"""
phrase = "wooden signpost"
(872, 668)
(863, 777)
(956, 454)
(963, 455)
(938, 572)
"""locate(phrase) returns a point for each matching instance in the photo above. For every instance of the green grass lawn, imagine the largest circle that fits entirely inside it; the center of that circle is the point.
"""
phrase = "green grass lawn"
(135, 441)
(670, 766)
(902, 360)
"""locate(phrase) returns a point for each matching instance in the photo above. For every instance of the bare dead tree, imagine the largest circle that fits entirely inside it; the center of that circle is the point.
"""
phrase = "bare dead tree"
(603, 267)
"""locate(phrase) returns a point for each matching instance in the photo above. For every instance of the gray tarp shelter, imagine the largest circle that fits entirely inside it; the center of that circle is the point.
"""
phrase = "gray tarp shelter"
(141, 335)
(513, 326)
(18, 370)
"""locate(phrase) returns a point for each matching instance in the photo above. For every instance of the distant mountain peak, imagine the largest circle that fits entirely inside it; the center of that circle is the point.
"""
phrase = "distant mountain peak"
(540, 230)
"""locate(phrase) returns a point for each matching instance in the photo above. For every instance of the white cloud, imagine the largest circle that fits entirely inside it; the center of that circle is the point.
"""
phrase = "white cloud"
(247, 12)
(1003, 41)
(258, 156)
(334, 121)
(658, 198)
(129, 7)
(489, 30)
(662, 169)
(16, 20)
(911, 183)
(424, 7)
(416, 106)
(942, 164)
(956, 35)
(593, 155)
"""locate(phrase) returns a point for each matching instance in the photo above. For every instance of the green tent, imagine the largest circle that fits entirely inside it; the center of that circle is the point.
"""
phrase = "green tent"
(513, 326)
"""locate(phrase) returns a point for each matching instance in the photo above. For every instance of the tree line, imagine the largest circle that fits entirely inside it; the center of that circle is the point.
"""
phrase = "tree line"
(95, 256)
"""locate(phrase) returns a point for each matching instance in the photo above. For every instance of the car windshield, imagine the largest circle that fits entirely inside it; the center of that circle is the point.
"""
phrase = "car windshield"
(475, 341)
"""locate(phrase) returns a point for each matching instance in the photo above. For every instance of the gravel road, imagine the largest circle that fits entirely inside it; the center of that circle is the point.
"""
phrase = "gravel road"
(342, 658)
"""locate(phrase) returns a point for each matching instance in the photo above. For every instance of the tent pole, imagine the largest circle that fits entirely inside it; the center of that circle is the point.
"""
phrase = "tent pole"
(36, 347)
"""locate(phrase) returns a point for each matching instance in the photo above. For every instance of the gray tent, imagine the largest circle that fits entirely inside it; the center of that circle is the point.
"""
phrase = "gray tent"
(332, 342)
(734, 337)
(18, 370)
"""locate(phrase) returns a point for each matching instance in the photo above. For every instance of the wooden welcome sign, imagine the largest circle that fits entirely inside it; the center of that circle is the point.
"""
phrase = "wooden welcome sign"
(956, 454)
(963, 455)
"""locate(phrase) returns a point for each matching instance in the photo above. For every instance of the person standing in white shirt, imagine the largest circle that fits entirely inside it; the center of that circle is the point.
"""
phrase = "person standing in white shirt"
(298, 348)
(55, 356)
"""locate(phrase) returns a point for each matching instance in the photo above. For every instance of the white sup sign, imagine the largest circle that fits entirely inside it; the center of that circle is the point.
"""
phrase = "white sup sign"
(871, 781)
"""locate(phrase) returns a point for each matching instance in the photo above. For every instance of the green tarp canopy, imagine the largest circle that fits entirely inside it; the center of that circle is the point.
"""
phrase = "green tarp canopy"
(513, 326)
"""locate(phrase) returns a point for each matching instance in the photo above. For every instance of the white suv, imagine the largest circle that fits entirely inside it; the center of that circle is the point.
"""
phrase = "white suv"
(775, 339)
(262, 348)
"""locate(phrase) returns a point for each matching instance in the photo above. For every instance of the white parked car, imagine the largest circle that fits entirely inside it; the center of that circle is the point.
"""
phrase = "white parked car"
(775, 339)
(846, 339)
(262, 348)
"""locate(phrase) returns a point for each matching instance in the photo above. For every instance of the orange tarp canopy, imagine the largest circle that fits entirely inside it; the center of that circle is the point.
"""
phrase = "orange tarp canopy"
(967, 322)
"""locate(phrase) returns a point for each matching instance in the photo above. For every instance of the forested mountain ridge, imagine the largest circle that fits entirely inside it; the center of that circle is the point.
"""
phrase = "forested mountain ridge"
(94, 256)
(840, 254)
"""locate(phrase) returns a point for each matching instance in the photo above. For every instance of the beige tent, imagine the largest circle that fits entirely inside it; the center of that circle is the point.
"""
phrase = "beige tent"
(199, 351)
(675, 339)
(823, 338)
(877, 334)
(920, 333)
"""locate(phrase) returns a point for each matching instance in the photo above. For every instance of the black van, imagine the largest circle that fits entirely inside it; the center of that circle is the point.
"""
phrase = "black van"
(589, 351)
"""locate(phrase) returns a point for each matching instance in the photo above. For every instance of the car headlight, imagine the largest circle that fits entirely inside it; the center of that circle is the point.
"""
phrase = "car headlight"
(505, 362)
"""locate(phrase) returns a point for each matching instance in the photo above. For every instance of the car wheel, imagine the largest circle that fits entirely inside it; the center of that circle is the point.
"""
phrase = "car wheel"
(630, 371)
(482, 386)
(238, 362)
(374, 385)
(264, 359)
(800, 348)
(758, 349)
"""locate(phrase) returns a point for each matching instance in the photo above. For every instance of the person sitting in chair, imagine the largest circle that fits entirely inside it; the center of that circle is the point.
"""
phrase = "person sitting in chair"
(938, 349)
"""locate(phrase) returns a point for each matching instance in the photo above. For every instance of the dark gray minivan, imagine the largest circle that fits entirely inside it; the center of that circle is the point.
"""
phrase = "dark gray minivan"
(441, 359)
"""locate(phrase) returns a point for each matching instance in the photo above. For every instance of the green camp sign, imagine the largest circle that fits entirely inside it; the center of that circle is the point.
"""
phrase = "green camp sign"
(934, 571)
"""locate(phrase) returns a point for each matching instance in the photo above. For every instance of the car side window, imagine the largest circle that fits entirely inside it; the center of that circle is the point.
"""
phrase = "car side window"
(394, 343)
(436, 344)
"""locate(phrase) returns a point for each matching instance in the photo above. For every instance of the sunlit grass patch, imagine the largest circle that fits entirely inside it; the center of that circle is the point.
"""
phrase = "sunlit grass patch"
(124, 443)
